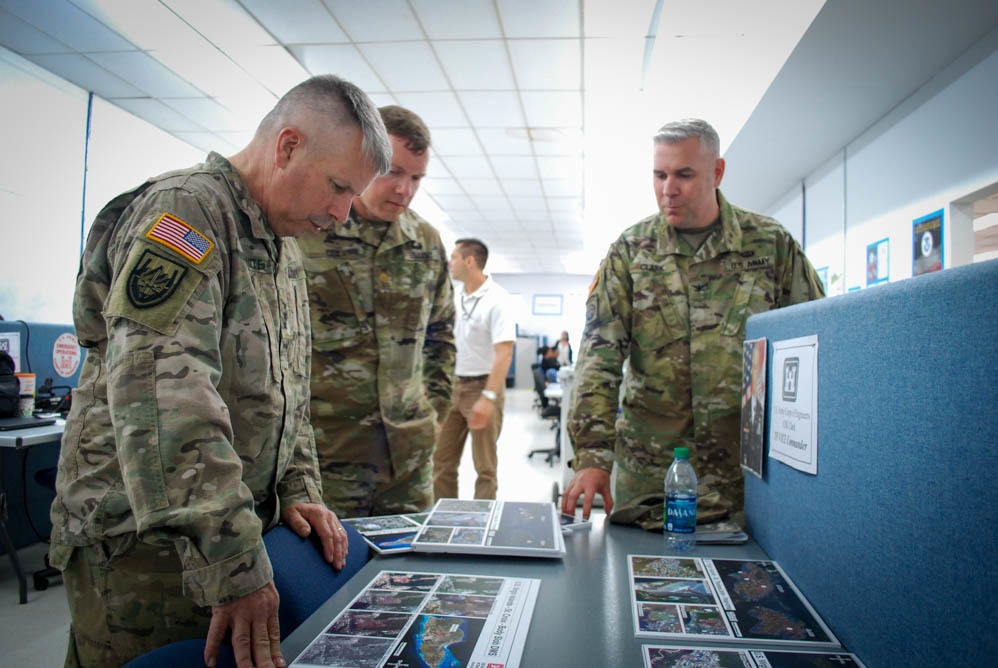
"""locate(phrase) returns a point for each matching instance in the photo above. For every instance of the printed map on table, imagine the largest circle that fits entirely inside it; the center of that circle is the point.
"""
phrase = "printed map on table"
(659, 656)
(389, 534)
(409, 619)
(722, 600)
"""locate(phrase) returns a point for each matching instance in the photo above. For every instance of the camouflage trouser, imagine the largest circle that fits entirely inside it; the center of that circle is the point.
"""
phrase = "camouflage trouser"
(352, 489)
(125, 599)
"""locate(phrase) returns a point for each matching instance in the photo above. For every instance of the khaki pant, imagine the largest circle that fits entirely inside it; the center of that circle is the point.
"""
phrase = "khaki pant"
(450, 445)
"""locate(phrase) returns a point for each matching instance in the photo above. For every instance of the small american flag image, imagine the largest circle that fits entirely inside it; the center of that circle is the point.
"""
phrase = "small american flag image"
(181, 237)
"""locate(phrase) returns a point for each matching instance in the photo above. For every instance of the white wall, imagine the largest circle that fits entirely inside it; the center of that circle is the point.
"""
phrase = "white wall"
(573, 288)
(43, 129)
(931, 153)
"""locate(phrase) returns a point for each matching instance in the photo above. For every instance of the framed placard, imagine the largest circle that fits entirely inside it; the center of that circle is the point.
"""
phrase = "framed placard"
(547, 304)
(927, 244)
(878, 262)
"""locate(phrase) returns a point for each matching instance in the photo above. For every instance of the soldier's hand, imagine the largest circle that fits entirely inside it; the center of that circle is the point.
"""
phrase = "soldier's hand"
(587, 482)
(481, 413)
(256, 632)
(302, 518)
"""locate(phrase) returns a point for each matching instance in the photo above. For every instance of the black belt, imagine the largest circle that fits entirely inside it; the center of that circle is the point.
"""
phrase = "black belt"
(469, 379)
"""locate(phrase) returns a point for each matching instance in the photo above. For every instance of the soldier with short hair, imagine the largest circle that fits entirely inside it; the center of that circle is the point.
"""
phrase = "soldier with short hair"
(189, 434)
(382, 337)
(671, 299)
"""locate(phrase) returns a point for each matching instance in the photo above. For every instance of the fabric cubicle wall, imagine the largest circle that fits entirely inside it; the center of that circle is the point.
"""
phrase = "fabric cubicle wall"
(894, 540)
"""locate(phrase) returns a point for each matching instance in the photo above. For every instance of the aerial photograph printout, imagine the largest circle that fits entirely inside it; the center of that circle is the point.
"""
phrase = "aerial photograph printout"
(514, 528)
(720, 600)
(429, 620)
(388, 534)
(659, 656)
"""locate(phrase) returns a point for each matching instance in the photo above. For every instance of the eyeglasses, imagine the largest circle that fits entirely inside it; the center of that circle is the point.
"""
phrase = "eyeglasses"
(466, 314)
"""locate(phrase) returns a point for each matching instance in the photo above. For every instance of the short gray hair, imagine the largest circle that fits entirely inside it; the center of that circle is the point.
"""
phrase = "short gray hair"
(677, 131)
(342, 102)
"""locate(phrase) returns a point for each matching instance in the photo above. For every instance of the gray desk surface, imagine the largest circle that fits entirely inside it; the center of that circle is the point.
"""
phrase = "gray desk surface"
(582, 616)
(22, 438)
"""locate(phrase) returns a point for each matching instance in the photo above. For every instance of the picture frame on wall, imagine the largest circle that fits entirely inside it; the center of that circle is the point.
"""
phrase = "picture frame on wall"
(927, 243)
(547, 304)
(878, 262)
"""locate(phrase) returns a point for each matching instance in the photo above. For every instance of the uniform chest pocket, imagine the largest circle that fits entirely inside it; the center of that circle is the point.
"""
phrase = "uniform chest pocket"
(659, 309)
(341, 307)
(754, 293)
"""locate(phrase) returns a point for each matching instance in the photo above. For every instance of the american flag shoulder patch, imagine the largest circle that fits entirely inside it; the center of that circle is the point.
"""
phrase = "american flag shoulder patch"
(181, 237)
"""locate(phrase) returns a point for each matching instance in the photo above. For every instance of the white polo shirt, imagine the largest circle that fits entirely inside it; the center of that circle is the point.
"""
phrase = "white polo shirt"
(483, 319)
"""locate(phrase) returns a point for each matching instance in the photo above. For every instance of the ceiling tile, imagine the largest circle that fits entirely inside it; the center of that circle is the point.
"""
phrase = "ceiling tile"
(158, 114)
(562, 188)
(458, 19)
(207, 141)
(468, 167)
(440, 186)
(477, 187)
(562, 61)
(528, 204)
(455, 141)
(297, 21)
(420, 73)
(492, 109)
(552, 167)
(553, 109)
(492, 203)
(476, 65)
(342, 60)
(69, 24)
(499, 141)
(273, 66)
(512, 167)
(516, 187)
(376, 20)
(541, 18)
(213, 115)
(224, 23)
(88, 75)
(22, 38)
(437, 109)
(156, 80)
(148, 24)
(454, 202)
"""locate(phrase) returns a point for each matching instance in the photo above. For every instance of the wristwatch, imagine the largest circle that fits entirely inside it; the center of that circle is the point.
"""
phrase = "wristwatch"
(489, 394)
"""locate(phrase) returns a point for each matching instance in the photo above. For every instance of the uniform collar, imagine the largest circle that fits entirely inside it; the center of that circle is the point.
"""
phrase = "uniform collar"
(399, 232)
(729, 239)
(258, 220)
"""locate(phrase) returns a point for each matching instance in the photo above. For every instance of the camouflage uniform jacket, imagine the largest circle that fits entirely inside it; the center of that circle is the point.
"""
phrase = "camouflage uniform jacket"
(383, 338)
(190, 424)
(677, 315)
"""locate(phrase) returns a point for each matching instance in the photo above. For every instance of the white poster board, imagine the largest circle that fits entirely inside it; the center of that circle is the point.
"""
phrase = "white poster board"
(793, 429)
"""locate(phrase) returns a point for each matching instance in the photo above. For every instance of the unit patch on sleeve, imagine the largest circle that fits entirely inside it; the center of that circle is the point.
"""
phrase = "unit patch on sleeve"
(153, 279)
(181, 237)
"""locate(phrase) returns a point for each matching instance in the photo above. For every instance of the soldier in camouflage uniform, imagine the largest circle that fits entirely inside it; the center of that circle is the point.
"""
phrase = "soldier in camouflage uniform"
(382, 338)
(671, 299)
(189, 433)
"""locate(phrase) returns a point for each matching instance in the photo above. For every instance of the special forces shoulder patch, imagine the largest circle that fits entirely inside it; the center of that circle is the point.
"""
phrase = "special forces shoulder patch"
(181, 237)
(153, 279)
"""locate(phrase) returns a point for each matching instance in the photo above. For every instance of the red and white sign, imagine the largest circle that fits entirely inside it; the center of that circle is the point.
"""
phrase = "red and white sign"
(66, 355)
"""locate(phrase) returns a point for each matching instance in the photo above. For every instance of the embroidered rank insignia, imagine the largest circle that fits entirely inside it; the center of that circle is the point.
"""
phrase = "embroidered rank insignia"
(181, 237)
(153, 280)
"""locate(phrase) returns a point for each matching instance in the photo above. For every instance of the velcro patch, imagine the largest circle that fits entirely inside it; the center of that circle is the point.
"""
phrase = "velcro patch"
(181, 237)
(153, 280)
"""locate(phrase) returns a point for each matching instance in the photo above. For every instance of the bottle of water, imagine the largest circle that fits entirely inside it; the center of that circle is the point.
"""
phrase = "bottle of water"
(680, 503)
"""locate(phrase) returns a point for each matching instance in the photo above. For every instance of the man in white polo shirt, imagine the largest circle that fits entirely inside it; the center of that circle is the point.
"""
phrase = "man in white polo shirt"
(484, 332)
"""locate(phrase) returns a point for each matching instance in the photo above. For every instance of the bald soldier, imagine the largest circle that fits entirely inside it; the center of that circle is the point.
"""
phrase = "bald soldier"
(671, 299)
(189, 434)
(382, 337)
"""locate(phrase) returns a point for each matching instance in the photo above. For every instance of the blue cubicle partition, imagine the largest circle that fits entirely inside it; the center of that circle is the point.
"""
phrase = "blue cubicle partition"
(45, 354)
(894, 540)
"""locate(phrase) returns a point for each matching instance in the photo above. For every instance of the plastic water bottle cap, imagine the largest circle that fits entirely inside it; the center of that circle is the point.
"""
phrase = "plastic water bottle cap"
(681, 453)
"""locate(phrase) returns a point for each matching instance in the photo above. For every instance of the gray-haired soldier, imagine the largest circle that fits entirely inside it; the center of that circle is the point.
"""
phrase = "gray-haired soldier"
(189, 434)
(671, 299)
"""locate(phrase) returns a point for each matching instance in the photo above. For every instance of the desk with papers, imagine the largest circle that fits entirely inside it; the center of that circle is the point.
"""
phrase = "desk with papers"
(582, 615)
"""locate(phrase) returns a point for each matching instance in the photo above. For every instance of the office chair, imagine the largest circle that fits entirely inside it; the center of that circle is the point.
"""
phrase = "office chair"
(549, 411)
(303, 579)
